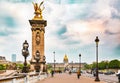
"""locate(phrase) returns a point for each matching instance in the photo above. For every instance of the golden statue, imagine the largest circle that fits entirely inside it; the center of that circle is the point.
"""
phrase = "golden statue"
(38, 11)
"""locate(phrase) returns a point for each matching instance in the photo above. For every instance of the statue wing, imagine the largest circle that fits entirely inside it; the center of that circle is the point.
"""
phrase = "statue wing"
(41, 3)
(43, 8)
(34, 5)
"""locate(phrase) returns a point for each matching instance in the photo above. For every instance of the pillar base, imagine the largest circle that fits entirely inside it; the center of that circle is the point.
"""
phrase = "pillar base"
(39, 67)
(97, 79)
(25, 70)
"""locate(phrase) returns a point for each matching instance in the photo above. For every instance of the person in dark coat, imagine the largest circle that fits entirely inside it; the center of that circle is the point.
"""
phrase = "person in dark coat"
(118, 77)
(52, 73)
(78, 74)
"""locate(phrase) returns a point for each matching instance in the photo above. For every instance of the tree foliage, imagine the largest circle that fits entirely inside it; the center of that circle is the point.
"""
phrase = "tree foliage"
(93, 65)
(103, 65)
(87, 66)
(20, 66)
(49, 66)
(2, 67)
(114, 64)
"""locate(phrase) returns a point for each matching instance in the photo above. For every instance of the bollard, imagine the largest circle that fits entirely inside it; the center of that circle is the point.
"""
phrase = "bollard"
(13, 80)
(38, 77)
(26, 79)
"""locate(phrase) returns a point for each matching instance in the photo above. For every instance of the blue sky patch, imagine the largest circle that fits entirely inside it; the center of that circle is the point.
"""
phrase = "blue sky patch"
(16, 1)
(62, 31)
(8, 21)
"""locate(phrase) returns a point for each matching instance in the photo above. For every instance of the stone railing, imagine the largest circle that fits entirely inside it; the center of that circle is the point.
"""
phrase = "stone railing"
(2, 71)
(23, 78)
(11, 79)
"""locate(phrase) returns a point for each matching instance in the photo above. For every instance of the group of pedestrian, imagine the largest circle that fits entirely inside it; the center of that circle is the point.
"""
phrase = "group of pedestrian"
(79, 74)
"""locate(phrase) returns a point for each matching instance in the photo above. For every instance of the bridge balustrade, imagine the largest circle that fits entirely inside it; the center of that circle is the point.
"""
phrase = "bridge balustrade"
(25, 78)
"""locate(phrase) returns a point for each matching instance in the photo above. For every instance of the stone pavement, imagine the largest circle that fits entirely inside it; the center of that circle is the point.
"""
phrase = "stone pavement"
(66, 78)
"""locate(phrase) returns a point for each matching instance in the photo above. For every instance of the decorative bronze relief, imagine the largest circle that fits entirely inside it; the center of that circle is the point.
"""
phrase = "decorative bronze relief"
(38, 38)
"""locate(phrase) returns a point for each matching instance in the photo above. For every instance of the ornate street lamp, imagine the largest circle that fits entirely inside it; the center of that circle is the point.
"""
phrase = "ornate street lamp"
(25, 53)
(54, 61)
(80, 63)
(44, 68)
(44, 59)
(97, 76)
(37, 58)
(72, 65)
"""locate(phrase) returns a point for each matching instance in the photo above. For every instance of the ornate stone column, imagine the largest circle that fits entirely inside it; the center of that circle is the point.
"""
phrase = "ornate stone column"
(38, 25)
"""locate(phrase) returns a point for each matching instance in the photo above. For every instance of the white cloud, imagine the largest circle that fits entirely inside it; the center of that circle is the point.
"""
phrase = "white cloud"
(113, 25)
(84, 31)
(79, 32)
(102, 8)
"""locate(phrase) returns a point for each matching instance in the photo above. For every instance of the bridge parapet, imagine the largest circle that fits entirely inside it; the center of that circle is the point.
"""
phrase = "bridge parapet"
(23, 78)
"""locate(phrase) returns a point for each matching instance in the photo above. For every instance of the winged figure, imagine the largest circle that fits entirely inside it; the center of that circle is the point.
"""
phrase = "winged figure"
(37, 8)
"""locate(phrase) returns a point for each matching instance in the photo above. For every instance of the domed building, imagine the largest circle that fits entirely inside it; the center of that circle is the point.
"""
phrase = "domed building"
(66, 65)
(65, 59)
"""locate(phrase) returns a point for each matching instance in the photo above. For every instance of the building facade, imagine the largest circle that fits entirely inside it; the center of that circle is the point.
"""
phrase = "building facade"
(66, 66)
(13, 57)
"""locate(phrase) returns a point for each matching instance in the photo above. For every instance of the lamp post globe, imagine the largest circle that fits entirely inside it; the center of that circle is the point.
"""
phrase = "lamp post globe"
(97, 40)
(97, 76)
(25, 44)
(25, 53)
(44, 59)
(37, 58)
(37, 53)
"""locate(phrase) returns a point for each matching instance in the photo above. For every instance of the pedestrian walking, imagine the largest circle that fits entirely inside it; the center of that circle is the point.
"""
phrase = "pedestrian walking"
(52, 73)
(78, 74)
(118, 77)
(70, 72)
(47, 73)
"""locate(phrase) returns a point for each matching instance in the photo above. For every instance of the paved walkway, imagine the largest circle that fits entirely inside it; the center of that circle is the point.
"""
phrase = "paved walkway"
(66, 78)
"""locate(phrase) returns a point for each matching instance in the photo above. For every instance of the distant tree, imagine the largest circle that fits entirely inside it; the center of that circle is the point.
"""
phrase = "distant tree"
(87, 66)
(114, 64)
(49, 66)
(2, 67)
(28, 65)
(14, 65)
(103, 65)
(20, 66)
(93, 65)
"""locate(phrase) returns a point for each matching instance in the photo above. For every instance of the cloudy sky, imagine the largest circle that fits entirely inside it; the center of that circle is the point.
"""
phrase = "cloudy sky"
(72, 26)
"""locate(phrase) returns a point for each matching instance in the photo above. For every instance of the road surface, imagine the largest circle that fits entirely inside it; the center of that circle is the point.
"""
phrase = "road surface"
(66, 78)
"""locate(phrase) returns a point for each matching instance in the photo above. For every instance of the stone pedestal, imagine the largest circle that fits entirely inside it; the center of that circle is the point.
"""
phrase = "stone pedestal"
(38, 30)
